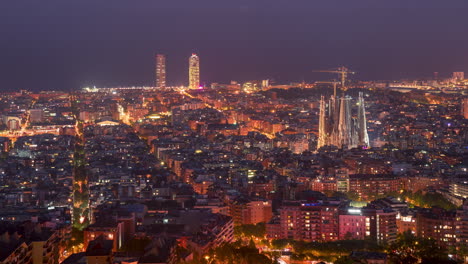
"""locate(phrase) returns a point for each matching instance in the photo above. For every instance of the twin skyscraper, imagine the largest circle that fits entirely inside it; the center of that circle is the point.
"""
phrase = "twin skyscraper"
(194, 71)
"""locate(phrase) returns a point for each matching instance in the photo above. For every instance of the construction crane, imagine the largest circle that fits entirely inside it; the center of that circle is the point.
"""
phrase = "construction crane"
(334, 85)
(342, 72)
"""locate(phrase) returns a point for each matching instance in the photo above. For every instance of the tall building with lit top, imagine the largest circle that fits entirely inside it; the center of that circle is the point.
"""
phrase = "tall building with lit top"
(160, 71)
(464, 108)
(457, 76)
(194, 71)
(338, 127)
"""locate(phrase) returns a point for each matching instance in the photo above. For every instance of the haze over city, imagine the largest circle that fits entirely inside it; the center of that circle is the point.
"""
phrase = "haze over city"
(57, 45)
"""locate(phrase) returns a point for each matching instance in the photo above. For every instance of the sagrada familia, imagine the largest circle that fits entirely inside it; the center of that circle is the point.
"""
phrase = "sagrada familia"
(338, 126)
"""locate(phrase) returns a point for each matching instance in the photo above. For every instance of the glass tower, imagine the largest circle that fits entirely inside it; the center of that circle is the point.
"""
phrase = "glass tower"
(194, 71)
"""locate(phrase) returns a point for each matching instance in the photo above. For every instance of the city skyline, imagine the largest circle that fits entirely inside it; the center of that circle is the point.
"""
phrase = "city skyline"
(221, 132)
(110, 168)
(277, 41)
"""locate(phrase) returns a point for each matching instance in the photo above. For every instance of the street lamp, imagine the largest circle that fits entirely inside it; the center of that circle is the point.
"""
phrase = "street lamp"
(209, 260)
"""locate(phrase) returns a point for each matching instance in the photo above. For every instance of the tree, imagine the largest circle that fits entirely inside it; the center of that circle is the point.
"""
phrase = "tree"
(234, 253)
(252, 244)
(408, 249)
(461, 252)
(335, 248)
(427, 200)
(258, 230)
(353, 196)
(279, 243)
(344, 260)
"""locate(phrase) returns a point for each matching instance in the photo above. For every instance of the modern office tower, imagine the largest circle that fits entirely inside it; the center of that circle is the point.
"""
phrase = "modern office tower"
(464, 108)
(338, 127)
(458, 76)
(194, 71)
(160, 71)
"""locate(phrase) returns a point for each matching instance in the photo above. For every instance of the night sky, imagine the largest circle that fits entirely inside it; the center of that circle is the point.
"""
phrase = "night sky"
(70, 44)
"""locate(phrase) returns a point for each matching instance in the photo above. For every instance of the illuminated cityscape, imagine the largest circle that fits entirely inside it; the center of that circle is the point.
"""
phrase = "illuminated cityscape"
(285, 153)
(160, 71)
(194, 72)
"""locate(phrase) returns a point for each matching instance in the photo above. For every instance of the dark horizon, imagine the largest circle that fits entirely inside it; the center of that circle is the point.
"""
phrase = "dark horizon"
(56, 45)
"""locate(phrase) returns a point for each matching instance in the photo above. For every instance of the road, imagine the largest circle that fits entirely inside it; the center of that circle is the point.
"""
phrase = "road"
(184, 92)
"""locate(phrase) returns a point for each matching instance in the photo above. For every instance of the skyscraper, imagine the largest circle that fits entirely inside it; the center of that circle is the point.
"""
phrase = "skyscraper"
(338, 127)
(160, 71)
(457, 76)
(194, 71)
(464, 108)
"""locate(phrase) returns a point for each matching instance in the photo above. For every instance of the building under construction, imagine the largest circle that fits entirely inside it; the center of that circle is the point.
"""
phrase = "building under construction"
(339, 127)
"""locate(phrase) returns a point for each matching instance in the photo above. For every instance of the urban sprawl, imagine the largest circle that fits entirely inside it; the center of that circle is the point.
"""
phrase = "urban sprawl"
(257, 172)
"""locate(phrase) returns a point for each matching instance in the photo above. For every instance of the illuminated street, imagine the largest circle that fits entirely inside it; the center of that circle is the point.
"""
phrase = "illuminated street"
(234, 132)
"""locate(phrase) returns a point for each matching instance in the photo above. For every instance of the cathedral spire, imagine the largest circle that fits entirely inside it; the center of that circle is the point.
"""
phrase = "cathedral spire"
(322, 139)
(363, 137)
